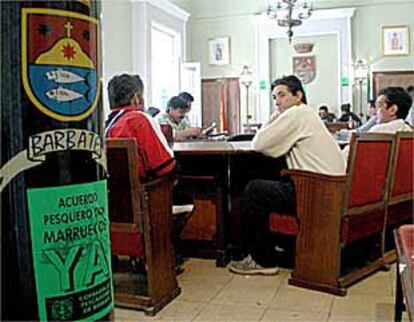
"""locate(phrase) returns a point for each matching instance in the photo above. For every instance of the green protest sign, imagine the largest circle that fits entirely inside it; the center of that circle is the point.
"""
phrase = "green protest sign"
(71, 251)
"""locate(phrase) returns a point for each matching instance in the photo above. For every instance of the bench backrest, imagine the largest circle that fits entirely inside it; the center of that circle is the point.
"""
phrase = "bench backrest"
(141, 221)
(369, 170)
(123, 182)
(402, 184)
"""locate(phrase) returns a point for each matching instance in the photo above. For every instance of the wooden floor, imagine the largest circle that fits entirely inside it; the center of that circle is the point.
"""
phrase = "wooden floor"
(214, 294)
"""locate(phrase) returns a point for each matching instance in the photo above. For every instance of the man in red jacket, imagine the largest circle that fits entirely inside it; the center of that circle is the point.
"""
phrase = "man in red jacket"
(128, 120)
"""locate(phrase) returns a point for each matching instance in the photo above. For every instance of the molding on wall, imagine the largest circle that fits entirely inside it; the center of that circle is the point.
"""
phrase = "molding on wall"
(321, 14)
(329, 21)
(169, 7)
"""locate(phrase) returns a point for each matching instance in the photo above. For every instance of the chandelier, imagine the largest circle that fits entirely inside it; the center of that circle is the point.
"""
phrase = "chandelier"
(289, 13)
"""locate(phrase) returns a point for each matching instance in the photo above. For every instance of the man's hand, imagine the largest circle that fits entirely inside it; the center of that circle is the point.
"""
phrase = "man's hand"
(209, 129)
(193, 131)
(190, 132)
(274, 115)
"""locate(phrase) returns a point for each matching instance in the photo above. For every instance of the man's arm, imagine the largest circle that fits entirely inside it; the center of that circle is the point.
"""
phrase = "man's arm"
(187, 133)
(278, 137)
(157, 157)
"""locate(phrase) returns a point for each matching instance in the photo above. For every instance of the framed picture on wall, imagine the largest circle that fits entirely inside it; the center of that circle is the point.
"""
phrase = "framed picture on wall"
(395, 40)
(219, 51)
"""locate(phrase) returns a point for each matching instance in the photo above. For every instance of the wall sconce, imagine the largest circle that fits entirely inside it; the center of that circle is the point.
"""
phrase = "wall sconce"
(360, 75)
(246, 79)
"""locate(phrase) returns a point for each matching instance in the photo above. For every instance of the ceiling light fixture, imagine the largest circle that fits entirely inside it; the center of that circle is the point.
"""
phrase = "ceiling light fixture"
(289, 13)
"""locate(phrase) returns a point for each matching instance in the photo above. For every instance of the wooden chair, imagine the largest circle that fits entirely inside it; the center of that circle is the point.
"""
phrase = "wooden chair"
(167, 130)
(401, 192)
(141, 221)
(404, 290)
(335, 211)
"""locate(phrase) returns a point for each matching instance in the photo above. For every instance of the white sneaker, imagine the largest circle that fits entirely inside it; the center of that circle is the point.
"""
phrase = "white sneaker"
(248, 266)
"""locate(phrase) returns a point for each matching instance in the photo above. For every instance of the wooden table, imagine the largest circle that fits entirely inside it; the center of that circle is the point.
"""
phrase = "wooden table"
(404, 242)
(215, 173)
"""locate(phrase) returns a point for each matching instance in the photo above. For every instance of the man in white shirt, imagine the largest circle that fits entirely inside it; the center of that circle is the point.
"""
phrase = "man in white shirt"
(393, 104)
(296, 131)
(410, 116)
(175, 116)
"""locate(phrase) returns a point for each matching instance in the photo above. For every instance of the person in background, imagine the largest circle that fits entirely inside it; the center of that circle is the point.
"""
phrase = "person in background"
(177, 108)
(188, 98)
(393, 104)
(371, 118)
(410, 116)
(348, 116)
(371, 110)
(296, 131)
(128, 120)
(153, 111)
(325, 115)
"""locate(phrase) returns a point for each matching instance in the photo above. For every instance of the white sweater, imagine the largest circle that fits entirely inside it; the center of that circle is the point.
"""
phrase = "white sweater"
(395, 126)
(299, 134)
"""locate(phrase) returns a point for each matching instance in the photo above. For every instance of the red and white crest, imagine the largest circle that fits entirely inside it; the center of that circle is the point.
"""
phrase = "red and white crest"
(304, 67)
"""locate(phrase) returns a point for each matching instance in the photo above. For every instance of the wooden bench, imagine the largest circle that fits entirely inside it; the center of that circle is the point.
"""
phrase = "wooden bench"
(141, 221)
(404, 241)
(333, 212)
(401, 192)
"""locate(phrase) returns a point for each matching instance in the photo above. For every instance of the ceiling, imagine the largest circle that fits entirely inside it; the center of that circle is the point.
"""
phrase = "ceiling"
(209, 8)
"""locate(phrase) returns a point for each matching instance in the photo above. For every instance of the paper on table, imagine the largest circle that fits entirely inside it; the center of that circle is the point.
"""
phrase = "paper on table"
(182, 208)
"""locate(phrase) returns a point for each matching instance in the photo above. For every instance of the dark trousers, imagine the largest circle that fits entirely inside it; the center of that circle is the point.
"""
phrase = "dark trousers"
(260, 198)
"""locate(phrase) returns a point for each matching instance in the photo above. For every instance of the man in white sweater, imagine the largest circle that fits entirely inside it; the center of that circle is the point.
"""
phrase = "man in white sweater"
(297, 132)
(393, 104)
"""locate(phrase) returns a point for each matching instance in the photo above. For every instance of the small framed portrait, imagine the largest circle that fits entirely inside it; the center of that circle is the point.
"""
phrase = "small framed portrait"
(219, 51)
(395, 40)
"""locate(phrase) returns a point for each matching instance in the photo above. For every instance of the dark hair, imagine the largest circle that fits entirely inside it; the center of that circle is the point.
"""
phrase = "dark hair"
(323, 107)
(371, 103)
(346, 107)
(410, 88)
(176, 102)
(399, 97)
(187, 97)
(122, 88)
(153, 111)
(293, 84)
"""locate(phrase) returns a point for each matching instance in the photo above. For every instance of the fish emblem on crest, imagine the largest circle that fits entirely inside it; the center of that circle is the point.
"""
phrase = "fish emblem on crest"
(60, 62)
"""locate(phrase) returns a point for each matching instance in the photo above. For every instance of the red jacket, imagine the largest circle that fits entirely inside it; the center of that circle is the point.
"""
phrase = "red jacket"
(155, 158)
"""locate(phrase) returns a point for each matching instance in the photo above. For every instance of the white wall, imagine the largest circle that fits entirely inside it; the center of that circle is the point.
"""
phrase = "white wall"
(324, 88)
(127, 37)
(117, 54)
(216, 18)
(242, 50)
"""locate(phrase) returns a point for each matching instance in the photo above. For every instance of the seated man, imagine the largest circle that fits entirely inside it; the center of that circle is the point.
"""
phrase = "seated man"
(325, 115)
(371, 118)
(128, 120)
(189, 99)
(393, 104)
(153, 111)
(175, 115)
(348, 116)
(410, 116)
(296, 131)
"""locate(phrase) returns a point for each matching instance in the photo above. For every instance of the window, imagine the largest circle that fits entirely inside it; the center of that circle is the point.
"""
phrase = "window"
(165, 65)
